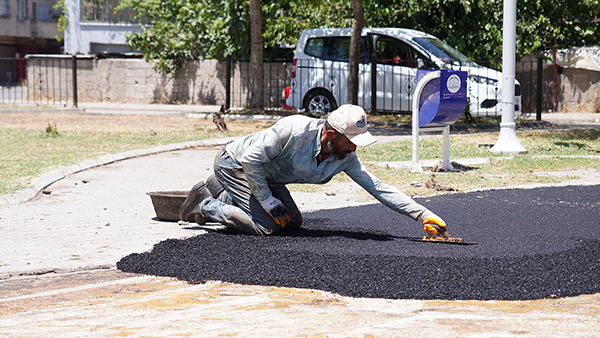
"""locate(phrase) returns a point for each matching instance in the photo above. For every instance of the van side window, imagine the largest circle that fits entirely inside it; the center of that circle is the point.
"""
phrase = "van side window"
(335, 48)
(338, 49)
(364, 51)
(314, 47)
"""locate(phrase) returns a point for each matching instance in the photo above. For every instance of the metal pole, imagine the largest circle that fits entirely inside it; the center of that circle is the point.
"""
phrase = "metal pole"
(47, 91)
(74, 71)
(60, 68)
(228, 83)
(538, 100)
(507, 141)
(53, 82)
(554, 70)
(371, 40)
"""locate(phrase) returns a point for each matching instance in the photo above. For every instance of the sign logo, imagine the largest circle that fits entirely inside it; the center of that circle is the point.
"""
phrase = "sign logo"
(453, 83)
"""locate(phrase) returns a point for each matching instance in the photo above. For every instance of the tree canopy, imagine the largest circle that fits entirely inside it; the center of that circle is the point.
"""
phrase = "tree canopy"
(181, 30)
(175, 31)
(474, 27)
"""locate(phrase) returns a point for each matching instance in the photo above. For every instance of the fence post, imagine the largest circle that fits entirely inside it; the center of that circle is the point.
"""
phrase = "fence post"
(228, 82)
(538, 100)
(373, 54)
(74, 71)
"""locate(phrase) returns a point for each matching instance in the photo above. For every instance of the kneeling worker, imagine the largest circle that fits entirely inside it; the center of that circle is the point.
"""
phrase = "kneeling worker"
(247, 191)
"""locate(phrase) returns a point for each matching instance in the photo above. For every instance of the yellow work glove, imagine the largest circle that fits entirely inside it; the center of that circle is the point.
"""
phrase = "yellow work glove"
(276, 210)
(432, 223)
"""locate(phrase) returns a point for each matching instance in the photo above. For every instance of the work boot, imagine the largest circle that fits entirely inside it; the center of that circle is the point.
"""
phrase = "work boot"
(190, 209)
(214, 186)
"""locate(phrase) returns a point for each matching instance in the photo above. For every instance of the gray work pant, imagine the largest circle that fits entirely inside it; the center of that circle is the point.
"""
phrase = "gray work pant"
(237, 208)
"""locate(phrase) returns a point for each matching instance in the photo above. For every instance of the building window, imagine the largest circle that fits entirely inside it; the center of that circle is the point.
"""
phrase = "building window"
(21, 9)
(3, 8)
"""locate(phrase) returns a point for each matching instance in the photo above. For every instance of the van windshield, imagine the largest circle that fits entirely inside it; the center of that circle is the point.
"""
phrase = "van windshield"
(444, 52)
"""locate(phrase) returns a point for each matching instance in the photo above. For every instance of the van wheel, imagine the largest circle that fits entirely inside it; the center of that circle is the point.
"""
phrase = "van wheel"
(319, 102)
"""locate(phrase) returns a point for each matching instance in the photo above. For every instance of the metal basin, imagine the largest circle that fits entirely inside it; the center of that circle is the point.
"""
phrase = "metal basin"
(167, 204)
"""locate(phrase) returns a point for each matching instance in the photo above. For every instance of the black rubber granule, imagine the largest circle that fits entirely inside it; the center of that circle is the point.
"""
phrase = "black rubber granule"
(533, 243)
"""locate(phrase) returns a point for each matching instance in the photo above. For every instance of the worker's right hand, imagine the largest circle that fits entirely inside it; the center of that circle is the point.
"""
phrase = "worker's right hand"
(276, 210)
(432, 223)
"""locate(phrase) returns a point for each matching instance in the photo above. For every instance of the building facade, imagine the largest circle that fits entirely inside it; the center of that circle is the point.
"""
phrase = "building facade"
(30, 27)
(27, 27)
(94, 27)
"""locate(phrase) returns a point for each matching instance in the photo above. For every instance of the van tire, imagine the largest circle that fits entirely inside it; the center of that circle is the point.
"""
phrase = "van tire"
(319, 101)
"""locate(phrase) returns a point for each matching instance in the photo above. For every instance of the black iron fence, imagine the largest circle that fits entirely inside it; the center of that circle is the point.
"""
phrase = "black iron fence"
(52, 81)
(320, 85)
(37, 80)
(536, 86)
(12, 76)
(276, 76)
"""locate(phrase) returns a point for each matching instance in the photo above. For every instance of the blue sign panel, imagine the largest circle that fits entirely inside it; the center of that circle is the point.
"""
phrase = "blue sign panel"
(443, 99)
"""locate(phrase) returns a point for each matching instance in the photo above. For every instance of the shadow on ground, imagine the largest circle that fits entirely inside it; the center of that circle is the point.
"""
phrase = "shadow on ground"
(533, 243)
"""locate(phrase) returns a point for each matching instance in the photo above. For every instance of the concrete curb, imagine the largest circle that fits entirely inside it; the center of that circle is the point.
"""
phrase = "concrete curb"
(38, 184)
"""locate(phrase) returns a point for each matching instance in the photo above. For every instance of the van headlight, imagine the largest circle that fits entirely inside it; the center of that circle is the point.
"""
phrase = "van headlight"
(483, 80)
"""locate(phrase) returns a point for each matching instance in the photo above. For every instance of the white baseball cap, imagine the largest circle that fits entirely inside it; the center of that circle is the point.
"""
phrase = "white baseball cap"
(351, 121)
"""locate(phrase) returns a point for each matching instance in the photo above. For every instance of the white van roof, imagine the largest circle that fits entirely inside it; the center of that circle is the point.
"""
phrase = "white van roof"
(400, 33)
(391, 31)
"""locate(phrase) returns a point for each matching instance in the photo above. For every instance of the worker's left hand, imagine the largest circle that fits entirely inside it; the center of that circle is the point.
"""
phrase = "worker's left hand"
(432, 223)
(276, 210)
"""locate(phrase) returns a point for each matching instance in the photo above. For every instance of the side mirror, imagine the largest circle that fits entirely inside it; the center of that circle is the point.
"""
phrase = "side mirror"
(420, 64)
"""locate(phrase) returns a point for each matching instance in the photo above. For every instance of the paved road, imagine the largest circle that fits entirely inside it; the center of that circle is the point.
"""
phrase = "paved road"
(94, 217)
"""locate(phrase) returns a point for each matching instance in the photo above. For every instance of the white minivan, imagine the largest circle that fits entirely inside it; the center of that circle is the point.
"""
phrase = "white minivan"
(319, 76)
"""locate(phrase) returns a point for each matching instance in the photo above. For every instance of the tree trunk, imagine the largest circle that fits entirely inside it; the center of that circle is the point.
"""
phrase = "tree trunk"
(359, 20)
(256, 56)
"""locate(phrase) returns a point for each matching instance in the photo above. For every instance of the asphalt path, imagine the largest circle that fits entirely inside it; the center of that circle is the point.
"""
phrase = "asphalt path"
(532, 244)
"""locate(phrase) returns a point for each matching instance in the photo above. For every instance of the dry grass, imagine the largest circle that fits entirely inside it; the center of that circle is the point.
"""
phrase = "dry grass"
(34, 143)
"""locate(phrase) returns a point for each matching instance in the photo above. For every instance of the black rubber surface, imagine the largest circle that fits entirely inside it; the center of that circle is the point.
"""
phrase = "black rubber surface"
(533, 243)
